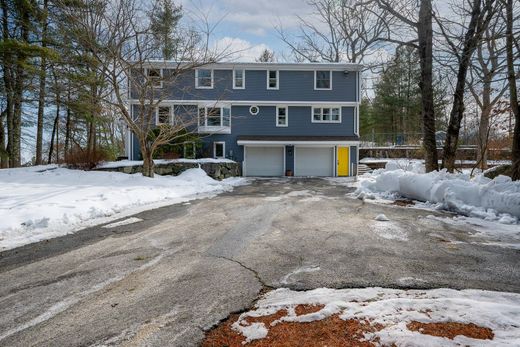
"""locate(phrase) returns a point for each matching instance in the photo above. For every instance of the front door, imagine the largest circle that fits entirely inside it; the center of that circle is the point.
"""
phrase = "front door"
(343, 161)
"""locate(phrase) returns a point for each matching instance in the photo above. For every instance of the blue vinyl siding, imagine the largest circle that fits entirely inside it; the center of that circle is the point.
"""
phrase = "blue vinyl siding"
(293, 86)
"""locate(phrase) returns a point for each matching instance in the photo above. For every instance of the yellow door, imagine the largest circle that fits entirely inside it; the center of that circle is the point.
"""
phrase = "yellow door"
(343, 161)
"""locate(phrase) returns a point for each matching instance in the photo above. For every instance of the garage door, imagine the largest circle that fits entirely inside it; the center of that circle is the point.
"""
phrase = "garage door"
(264, 161)
(314, 161)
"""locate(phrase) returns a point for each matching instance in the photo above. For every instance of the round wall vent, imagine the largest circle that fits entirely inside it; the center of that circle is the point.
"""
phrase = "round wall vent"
(254, 110)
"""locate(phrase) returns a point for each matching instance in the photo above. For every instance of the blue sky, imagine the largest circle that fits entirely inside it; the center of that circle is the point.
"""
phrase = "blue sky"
(249, 25)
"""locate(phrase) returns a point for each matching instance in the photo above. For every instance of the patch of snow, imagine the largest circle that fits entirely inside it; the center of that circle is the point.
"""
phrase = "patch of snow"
(286, 278)
(43, 202)
(393, 309)
(126, 163)
(127, 221)
(497, 199)
(252, 331)
(382, 218)
(389, 231)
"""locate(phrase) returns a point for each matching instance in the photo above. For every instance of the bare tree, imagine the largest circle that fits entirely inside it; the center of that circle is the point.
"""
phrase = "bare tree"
(481, 15)
(267, 56)
(344, 30)
(486, 83)
(513, 96)
(420, 25)
(123, 51)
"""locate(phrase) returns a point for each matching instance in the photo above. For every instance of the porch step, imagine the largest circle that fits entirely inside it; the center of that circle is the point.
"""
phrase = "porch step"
(363, 169)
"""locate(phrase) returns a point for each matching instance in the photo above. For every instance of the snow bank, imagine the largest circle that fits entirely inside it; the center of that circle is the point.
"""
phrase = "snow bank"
(393, 309)
(43, 202)
(496, 199)
(125, 163)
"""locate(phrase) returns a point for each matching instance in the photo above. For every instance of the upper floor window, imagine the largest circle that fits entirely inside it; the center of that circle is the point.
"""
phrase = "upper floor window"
(239, 79)
(204, 78)
(326, 115)
(154, 76)
(282, 116)
(323, 80)
(272, 79)
(163, 115)
(214, 116)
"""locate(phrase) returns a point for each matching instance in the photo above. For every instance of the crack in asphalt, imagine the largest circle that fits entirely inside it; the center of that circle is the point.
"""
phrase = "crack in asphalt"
(253, 271)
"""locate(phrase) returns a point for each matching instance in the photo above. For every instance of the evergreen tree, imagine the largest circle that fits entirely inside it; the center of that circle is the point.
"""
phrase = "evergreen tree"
(164, 18)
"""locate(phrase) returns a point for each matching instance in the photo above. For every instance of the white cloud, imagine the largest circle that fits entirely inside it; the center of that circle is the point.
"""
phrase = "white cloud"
(237, 49)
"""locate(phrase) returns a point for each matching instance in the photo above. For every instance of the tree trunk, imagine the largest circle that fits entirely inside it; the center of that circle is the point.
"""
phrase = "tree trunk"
(513, 96)
(483, 129)
(3, 152)
(425, 36)
(54, 132)
(148, 164)
(41, 96)
(471, 39)
(67, 127)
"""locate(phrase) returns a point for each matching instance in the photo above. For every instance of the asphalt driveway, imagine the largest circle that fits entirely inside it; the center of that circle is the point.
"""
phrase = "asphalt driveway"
(167, 279)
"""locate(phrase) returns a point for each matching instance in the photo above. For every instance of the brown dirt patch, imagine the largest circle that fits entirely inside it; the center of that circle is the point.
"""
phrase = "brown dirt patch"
(403, 202)
(300, 310)
(330, 332)
(452, 329)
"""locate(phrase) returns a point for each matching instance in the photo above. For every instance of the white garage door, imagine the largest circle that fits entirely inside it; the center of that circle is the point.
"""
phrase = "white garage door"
(264, 161)
(314, 161)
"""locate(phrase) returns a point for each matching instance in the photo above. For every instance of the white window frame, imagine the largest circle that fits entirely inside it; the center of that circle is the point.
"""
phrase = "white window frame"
(243, 79)
(160, 85)
(197, 79)
(315, 80)
(171, 114)
(321, 112)
(286, 116)
(216, 129)
(223, 149)
(277, 80)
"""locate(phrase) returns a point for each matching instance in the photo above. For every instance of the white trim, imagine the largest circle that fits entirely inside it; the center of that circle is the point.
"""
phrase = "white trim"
(285, 161)
(214, 129)
(244, 161)
(286, 116)
(330, 80)
(243, 79)
(356, 120)
(170, 114)
(197, 79)
(160, 74)
(327, 121)
(223, 149)
(254, 113)
(260, 143)
(277, 79)
(259, 66)
(256, 102)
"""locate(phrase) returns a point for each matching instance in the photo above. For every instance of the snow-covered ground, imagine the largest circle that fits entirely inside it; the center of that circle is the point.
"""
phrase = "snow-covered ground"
(43, 202)
(394, 309)
(495, 200)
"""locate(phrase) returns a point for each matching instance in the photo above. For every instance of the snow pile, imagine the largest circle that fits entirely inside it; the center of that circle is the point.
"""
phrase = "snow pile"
(43, 202)
(394, 309)
(492, 199)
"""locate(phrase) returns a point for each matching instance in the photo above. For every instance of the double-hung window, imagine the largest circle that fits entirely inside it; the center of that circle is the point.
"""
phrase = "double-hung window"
(163, 115)
(322, 80)
(204, 79)
(239, 79)
(282, 116)
(272, 79)
(214, 118)
(154, 77)
(326, 115)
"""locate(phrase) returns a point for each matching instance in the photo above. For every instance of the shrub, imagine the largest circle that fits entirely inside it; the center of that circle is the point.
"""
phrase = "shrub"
(79, 158)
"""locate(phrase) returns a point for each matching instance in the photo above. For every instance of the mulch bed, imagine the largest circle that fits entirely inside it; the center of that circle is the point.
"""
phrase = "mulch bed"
(452, 329)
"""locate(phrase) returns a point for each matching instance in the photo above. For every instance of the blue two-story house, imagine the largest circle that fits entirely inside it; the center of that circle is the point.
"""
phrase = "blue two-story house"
(276, 119)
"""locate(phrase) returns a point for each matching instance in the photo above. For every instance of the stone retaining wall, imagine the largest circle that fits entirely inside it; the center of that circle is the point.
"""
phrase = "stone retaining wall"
(418, 153)
(217, 171)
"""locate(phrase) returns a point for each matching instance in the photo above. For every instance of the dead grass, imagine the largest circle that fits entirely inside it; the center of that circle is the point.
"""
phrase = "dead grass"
(403, 202)
(330, 332)
(452, 329)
